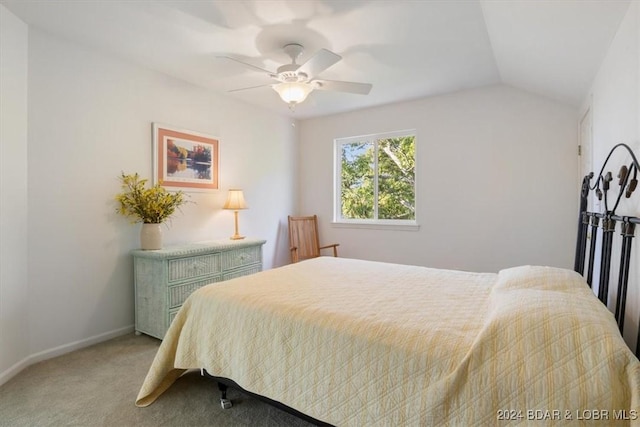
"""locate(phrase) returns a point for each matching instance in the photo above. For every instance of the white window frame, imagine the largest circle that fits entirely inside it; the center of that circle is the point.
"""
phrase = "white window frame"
(397, 224)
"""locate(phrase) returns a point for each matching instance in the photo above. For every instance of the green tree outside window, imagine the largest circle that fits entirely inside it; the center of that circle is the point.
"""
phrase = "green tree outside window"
(377, 178)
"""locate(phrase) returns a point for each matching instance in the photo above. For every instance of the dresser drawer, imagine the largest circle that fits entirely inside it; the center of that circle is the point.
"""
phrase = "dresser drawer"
(197, 266)
(242, 272)
(239, 257)
(179, 293)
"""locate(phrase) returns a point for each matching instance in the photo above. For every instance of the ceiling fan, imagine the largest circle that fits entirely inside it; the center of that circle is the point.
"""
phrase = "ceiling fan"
(295, 81)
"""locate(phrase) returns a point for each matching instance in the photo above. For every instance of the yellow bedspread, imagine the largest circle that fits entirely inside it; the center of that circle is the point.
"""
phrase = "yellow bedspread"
(359, 343)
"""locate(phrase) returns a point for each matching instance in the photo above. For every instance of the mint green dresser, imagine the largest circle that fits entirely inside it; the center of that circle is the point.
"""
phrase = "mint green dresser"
(165, 278)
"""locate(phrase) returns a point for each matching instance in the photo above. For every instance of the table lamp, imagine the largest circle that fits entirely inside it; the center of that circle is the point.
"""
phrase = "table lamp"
(235, 201)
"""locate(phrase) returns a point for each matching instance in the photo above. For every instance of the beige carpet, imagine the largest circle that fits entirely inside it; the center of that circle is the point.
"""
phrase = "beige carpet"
(97, 386)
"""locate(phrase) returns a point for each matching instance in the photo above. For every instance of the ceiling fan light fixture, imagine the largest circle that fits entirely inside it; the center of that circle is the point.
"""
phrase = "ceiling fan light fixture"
(293, 92)
(294, 82)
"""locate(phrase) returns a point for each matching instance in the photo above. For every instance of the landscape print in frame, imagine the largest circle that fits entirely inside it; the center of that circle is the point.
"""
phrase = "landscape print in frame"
(184, 159)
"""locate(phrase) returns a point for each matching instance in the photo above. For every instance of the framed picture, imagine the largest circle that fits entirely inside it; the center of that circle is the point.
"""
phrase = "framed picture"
(184, 159)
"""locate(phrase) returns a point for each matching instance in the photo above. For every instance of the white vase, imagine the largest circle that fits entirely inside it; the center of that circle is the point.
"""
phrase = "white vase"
(151, 236)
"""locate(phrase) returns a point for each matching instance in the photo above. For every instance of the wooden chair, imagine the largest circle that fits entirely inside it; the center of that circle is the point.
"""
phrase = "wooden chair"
(303, 238)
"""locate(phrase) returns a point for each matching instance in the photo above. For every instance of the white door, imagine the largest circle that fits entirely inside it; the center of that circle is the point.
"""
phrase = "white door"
(593, 204)
(585, 149)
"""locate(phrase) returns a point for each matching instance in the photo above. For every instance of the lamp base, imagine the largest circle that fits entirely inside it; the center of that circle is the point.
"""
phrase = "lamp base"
(236, 236)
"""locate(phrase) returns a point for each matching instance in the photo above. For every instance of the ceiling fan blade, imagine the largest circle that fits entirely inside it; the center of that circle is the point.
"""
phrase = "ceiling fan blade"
(351, 87)
(247, 88)
(246, 64)
(319, 62)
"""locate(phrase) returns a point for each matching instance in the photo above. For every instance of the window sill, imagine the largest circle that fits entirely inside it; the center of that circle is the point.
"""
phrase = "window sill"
(374, 226)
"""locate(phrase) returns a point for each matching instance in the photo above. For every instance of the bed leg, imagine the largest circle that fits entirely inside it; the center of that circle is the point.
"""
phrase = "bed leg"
(224, 402)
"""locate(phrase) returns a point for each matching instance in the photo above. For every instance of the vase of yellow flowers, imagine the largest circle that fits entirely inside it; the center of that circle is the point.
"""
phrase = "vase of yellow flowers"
(151, 206)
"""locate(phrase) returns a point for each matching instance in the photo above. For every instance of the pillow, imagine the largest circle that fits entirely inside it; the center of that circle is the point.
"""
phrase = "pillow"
(540, 278)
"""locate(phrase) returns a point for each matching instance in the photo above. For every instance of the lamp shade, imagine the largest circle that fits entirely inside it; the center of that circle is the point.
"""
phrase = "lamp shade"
(235, 200)
(294, 92)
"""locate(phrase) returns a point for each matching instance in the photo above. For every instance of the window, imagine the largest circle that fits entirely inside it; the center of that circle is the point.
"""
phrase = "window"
(375, 179)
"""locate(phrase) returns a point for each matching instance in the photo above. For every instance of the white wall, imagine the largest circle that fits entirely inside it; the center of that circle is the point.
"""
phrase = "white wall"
(14, 324)
(496, 180)
(614, 102)
(89, 118)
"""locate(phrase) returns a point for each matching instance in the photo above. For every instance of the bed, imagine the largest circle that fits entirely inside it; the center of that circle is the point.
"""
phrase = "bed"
(349, 342)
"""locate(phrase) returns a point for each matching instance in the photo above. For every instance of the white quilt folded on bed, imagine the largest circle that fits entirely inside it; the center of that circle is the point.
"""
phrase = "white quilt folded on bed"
(359, 343)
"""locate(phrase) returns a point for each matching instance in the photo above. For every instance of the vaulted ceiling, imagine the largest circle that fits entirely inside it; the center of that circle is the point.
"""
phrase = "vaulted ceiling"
(405, 49)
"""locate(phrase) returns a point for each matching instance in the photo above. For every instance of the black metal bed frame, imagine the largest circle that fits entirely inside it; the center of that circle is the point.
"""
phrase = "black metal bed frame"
(225, 383)
(590, 222)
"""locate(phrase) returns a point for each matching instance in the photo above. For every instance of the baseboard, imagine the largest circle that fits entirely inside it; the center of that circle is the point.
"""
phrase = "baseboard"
(14, 370)
(60, 350)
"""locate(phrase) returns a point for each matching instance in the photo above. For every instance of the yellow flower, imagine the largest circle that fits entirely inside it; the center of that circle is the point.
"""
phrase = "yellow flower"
(149, 205)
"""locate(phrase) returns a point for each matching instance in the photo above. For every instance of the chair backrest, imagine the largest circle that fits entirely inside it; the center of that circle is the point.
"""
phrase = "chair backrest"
(303, 236)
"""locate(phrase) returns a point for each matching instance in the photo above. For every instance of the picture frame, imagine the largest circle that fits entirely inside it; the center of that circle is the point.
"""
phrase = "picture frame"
(184, 160)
